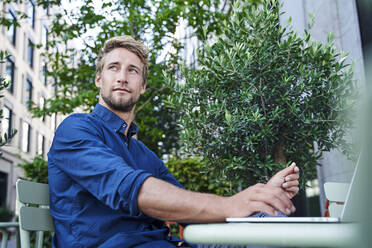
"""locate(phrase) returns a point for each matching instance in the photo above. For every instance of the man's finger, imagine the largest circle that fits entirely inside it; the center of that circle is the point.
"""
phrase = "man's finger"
(284, 198)
(258, 206)
(291, 177)
(290, 184)
(287, 171)
(293, 189)
(275, 197)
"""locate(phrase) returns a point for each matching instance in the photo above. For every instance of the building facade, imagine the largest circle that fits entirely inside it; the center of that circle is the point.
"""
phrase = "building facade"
(25, 69)
(350, 23)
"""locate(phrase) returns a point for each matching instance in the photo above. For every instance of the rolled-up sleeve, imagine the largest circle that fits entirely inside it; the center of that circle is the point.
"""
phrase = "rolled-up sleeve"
(79, 150)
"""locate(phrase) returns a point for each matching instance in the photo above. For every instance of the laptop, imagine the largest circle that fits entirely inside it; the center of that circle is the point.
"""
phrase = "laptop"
(347, 214)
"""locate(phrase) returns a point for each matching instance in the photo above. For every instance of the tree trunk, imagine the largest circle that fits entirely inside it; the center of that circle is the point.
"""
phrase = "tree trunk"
(300, 199)
(279, 156)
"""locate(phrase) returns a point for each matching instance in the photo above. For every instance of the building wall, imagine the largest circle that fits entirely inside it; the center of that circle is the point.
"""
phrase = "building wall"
(16, 101)
(341, 18)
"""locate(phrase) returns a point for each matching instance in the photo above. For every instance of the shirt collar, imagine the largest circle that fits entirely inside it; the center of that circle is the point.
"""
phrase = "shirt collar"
(114, 121)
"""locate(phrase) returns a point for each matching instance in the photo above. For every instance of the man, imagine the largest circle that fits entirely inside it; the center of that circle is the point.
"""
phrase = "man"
(108, 189)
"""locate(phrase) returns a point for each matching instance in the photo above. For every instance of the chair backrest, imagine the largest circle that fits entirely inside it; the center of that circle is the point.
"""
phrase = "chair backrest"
(33, 208)
(336, 195)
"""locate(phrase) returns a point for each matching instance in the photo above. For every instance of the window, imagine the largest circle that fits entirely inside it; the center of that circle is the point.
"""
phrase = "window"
(28, 95)
(30, 53)
(3, 187)
(10, 73)
(40, 144)
(45, 77)
(6, 122)
(12, 30)
(365, 21)
(45, 37)
(31, 13)
(26, 135)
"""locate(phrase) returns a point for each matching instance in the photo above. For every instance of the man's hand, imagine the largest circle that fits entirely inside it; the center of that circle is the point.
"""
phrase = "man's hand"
(259, 197)
(287, 179)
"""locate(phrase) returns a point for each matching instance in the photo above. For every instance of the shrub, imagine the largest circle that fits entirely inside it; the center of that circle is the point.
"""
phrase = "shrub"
(5, 214)
(191, 174)
(261, 97)
(36, 170)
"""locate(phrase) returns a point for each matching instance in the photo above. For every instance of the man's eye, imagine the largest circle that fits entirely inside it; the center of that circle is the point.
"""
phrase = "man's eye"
(112, 67)
(133, 70)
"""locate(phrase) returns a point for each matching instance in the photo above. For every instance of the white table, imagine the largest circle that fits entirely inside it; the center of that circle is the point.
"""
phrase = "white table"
(276, 234)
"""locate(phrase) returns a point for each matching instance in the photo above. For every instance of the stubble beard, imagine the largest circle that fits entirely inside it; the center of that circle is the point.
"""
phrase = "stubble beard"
(120, 105)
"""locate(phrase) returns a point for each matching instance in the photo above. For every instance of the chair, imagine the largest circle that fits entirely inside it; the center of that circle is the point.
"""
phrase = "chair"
(336, 196)
(5, 232)
(33, 205)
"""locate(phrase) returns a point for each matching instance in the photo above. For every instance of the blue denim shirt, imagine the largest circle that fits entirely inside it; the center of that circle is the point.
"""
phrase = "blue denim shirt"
(95, 173)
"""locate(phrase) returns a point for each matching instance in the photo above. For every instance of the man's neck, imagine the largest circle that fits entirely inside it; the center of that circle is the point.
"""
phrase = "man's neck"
(128, 117)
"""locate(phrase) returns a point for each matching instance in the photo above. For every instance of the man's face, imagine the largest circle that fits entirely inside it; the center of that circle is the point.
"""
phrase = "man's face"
(121, 81)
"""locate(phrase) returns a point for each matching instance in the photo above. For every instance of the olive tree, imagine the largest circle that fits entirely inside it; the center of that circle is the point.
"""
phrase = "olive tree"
(262, 96)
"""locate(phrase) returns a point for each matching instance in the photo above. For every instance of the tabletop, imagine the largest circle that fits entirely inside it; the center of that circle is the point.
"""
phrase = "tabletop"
(278, 234)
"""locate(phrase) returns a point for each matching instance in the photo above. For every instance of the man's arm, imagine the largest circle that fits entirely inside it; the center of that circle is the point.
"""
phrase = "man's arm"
(164, 201)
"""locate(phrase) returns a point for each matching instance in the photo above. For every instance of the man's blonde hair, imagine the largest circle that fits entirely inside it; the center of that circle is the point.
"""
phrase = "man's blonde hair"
(127, 42)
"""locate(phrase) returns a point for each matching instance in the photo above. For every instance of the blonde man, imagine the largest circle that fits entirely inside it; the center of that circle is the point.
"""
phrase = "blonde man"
(109, 190)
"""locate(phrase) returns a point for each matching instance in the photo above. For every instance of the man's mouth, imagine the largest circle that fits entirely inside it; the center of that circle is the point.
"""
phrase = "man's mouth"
(123, 90)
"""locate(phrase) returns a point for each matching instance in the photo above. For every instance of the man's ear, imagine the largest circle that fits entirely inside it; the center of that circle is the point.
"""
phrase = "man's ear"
(98, 81)
(143, 90)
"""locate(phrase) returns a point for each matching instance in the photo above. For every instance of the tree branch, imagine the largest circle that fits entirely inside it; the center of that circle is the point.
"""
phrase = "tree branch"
(149, 99)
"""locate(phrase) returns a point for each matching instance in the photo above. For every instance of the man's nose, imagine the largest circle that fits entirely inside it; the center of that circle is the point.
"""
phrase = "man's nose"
(122, 76)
